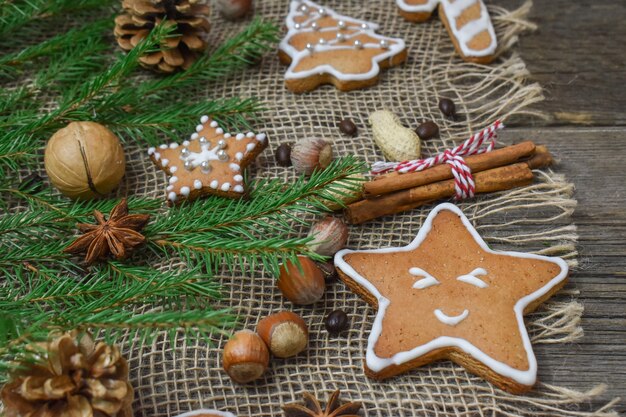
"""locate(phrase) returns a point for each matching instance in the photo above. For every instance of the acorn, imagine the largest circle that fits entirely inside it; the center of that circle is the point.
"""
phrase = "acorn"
(310, 154)
(330, 236)
(285, 334)
(304, 286)
(245, 357)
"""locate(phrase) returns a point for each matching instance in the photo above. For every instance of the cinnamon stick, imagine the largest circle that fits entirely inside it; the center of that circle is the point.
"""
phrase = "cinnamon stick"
(497, 179)
(392, 182)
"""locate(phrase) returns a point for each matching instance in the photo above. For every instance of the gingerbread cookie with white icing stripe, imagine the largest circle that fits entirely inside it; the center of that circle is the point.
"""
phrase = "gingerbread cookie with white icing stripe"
(467, 21)
(210, 162)
(447, 295)
(324, 47)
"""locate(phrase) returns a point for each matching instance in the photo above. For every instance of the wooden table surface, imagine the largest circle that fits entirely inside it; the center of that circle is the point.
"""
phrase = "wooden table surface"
(578, 56)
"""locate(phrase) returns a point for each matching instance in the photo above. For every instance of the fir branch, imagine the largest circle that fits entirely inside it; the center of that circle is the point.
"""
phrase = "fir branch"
(170, 120)
(74, 40)
(218, 233)
(17, 13)
(241, 50)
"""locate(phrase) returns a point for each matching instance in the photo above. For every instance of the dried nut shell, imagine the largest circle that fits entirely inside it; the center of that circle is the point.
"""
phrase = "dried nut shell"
(285, 334)
(245, 357)
(310, 154)
(84, 160)
(331, 235)
(397, 142)
(301, 287)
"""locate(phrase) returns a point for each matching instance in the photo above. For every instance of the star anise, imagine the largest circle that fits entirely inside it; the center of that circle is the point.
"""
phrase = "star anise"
(116, 236)
(312, 408)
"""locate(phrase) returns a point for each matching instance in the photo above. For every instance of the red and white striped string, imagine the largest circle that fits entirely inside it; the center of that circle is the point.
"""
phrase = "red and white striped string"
(463, 179)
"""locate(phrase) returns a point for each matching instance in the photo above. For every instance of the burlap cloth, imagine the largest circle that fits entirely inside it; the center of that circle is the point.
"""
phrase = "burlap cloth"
(175, 378)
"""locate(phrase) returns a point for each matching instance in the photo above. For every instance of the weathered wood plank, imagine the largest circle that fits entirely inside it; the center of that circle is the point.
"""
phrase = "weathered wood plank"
(591, 159)
(577, 56)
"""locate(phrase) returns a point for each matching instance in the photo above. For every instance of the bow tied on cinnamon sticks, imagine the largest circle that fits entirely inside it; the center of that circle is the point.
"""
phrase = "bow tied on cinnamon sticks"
(497, 170)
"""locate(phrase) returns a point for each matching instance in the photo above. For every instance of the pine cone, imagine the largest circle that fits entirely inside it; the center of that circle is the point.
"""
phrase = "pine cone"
(177, 52)
(76, 378)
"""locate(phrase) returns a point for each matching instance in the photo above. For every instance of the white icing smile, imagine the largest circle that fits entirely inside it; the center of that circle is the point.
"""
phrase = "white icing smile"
(450, 320)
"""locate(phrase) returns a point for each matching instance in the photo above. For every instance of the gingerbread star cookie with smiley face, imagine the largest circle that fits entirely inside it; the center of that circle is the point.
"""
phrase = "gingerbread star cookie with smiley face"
(210, 162)
(447, 295)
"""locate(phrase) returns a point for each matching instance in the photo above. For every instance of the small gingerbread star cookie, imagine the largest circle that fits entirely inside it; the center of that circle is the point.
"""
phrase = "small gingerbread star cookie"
(210, 162)
(448, 296)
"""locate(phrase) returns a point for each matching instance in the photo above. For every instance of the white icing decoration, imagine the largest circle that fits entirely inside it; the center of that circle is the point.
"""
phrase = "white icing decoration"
(225, 186)
(250, 146)
(219, 131)
(199, 128)
(214, 184)
(453, 9)
(377, 364)
(169, 188)
(197, 184)
(173, 169)
(173, 179)
(227, 135)
(240, 136)
(164, 162)
(163, 146)
(261, 137)
(157, 156)
(151, 150)
(427, 280)
(172, 196)
(396, 45)
(186, 143)
(213, 124)
(451, 320)
(238, 189)
(472, 278)
(239, 156)
(173, 145)
(185, 191)
(238, 178)
(235, 167)
(194, 136)
(206, 411)
(204, 119)
(250, 134)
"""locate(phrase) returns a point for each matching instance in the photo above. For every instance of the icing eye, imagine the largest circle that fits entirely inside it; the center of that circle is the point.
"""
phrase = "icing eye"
(427, 280)
(472, 278)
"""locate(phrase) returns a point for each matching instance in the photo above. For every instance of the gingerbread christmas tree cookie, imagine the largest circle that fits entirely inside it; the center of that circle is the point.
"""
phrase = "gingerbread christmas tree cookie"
(467, 22)
(448, 296)
(324, 47)
(211, 162)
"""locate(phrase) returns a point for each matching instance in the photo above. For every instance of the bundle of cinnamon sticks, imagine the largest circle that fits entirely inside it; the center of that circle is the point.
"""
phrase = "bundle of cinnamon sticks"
(498, 170)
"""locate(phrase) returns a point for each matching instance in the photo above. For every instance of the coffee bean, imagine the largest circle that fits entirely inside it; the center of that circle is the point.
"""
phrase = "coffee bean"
(283, 155)
(447, 107)
(329, 271)
(427, 130)
(337, 321)
(348, 127)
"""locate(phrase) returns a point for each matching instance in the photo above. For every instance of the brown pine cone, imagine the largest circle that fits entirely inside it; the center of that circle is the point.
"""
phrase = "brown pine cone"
(75, 378)
(177, 52)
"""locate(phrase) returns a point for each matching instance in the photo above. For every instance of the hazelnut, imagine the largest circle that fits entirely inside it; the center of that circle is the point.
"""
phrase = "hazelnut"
(301, 285)
(234, 9)
(84, 160)
(310, 154)
(330, 236)
(285, 333)
(245, 357)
